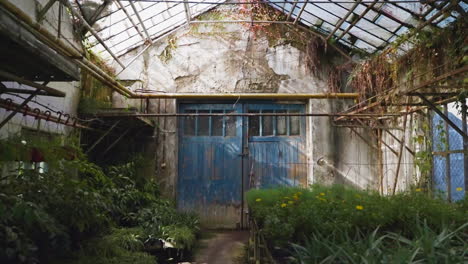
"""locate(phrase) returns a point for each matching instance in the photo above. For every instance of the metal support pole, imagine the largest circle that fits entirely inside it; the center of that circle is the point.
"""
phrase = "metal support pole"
(443, 116)
(465, 143)
(102, 137)
(141, 21)
(364, 139)
(44, 10)
(448, 176)
(400, 153)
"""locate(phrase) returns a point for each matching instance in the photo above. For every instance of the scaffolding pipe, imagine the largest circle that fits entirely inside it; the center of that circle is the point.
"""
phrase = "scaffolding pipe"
(240, 96)
(12, 77)
(235, 114)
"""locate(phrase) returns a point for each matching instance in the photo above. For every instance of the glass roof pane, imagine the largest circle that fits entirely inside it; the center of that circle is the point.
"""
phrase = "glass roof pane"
(387, 23)
(375, 28)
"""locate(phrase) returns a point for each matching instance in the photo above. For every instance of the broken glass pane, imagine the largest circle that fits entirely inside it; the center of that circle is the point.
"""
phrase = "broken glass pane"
(189, 123)
(230, 125)
(254, 125)
(281, 128)
(203, 123)
(217, 123)
(267, 124)
(294, 124)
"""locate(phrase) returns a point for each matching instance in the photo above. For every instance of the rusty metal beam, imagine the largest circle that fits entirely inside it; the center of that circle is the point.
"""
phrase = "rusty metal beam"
(58, 120)
(443, 116)
(19, 107)
(12, 77)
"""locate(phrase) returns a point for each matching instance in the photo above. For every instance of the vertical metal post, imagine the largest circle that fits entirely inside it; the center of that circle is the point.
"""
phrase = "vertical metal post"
(448, 177)
(380, 159)
(429, 147)
(400, 153)
(465, 143)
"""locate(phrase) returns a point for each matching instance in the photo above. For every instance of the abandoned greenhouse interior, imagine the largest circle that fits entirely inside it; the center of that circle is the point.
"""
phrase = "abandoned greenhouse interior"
(233, 131)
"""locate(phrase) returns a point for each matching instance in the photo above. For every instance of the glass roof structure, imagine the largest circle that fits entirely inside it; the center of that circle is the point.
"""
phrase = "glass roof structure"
(359, 24)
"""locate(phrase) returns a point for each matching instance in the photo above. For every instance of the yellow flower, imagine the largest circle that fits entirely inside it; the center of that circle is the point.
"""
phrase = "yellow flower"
(283, 205)
(322, 194)
(299, 193)
(459, 189)
(258, 199)
(418, 189)
(290, 202)
(296, 197)
(287, 198)
(359, 207)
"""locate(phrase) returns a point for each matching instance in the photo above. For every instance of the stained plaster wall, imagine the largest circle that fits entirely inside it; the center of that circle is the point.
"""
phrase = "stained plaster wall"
(226, 58)
(69, 103)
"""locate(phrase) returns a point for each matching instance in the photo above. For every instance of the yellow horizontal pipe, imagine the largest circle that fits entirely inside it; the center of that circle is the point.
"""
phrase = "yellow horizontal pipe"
(235, 96)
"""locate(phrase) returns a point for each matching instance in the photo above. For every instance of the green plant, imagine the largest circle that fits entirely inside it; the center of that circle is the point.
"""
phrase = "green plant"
(333, 216)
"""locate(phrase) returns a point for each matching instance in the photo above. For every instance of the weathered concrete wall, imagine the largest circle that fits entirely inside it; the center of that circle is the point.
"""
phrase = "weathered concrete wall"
(224, 58)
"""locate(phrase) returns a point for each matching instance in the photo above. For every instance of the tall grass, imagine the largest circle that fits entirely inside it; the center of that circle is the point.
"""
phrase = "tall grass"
(337, 224)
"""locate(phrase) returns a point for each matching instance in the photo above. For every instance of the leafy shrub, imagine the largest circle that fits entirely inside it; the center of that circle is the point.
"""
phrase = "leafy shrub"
(123, 245)
(49, 214)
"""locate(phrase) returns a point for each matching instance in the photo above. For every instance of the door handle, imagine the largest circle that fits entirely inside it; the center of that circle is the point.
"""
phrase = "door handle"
(244, 153)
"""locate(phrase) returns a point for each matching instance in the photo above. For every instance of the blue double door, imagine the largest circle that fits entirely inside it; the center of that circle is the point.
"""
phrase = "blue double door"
(222, 157)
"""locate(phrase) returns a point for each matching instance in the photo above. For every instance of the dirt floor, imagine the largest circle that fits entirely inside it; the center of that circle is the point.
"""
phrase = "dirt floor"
(221, 247)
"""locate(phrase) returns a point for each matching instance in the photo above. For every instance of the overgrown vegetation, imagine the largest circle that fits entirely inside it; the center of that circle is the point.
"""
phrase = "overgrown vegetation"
(65, 209)
(433, 53)
(342, 225)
